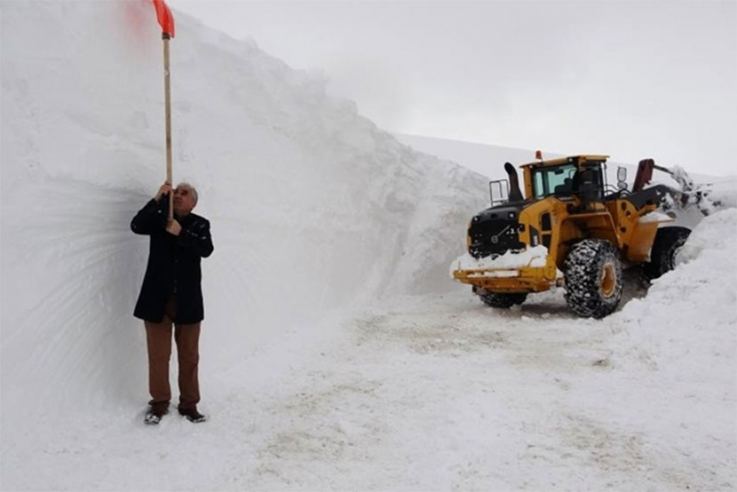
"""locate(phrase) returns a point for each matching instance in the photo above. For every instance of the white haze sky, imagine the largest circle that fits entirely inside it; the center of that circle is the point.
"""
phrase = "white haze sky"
(625, 78)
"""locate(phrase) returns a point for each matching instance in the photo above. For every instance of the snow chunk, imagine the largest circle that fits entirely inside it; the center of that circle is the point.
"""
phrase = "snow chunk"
(683, 178)
(718, 196)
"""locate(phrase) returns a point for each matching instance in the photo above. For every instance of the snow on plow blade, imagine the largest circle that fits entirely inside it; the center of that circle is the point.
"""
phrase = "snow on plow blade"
(526, 279)
(527, 271)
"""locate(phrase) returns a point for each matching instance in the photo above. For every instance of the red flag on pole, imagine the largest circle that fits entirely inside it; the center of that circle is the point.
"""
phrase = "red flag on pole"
(165, 18)
(167, 27)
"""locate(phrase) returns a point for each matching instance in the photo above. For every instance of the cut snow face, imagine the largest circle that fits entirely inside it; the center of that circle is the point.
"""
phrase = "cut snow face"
(312, 206)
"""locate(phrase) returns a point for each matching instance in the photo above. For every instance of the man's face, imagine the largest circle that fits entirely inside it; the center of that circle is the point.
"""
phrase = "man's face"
(183, 200)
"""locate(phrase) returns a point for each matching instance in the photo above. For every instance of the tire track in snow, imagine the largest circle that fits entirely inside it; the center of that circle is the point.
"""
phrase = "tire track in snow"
(423, 393)
(439, 392)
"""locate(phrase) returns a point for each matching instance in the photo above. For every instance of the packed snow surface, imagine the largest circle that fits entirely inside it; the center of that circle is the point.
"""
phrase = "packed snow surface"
(336, 353)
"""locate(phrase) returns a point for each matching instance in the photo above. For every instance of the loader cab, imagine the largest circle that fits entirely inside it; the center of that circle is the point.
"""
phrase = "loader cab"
(583, 176)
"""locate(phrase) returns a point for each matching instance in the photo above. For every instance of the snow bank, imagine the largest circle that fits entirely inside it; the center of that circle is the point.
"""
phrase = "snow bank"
(690, 314)
(312, 206)
(678, 345)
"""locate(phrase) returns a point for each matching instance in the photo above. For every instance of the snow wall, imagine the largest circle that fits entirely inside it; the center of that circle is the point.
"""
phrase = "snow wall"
(312, 206)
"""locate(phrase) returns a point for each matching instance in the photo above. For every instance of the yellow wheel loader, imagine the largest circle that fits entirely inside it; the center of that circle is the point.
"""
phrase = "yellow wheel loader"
(569, 229)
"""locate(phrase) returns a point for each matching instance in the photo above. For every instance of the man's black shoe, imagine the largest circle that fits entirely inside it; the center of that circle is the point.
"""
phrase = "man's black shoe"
(154, 415)
(192, 415)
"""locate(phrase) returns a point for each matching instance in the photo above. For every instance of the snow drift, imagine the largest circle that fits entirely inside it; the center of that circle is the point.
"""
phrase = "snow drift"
(312, 206)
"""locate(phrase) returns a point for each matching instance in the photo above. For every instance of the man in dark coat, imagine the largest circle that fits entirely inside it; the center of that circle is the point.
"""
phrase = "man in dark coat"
(172, 294)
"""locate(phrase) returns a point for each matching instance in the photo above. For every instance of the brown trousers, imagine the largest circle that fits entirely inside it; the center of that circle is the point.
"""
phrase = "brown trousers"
(158, 339)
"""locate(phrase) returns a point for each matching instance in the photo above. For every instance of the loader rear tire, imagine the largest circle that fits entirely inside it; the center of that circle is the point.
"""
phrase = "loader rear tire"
(593, 278)
(502, 301)
(668, 241)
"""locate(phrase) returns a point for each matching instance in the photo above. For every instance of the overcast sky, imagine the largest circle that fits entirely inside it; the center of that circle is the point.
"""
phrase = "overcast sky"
(625, 78)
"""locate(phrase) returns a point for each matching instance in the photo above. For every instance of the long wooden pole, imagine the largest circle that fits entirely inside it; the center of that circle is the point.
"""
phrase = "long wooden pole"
(167, 92)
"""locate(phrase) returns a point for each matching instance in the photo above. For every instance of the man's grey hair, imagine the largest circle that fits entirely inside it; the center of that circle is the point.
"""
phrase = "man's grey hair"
(191, 188)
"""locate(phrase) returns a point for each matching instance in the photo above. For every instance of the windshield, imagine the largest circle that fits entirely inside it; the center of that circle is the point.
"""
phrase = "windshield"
(553, 180)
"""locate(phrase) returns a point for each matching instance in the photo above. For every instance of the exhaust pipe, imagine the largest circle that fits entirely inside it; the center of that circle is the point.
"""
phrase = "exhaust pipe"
(515, 194)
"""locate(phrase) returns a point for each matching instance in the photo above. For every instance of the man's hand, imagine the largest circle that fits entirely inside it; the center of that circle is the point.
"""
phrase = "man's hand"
(164, 190)
(173, 227)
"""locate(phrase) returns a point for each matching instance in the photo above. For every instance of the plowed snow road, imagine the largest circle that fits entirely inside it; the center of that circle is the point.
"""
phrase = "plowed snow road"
(426, 393)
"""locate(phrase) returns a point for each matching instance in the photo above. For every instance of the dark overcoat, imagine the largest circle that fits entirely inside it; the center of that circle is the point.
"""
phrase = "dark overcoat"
(173, 264)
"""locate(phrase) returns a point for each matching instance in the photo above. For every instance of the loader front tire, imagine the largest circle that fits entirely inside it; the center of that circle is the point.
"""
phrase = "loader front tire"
(502, 301)
(668, 241)
(593, 278)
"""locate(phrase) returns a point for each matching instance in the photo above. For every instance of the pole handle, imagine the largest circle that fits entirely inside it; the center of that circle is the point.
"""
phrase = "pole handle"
(167, 93)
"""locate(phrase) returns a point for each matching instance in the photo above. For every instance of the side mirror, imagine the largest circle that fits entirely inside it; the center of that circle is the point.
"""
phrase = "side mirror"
(621, 174)
(622, 178)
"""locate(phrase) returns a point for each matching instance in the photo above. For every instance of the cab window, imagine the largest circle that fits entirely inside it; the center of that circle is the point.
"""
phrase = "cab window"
(555, 180)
